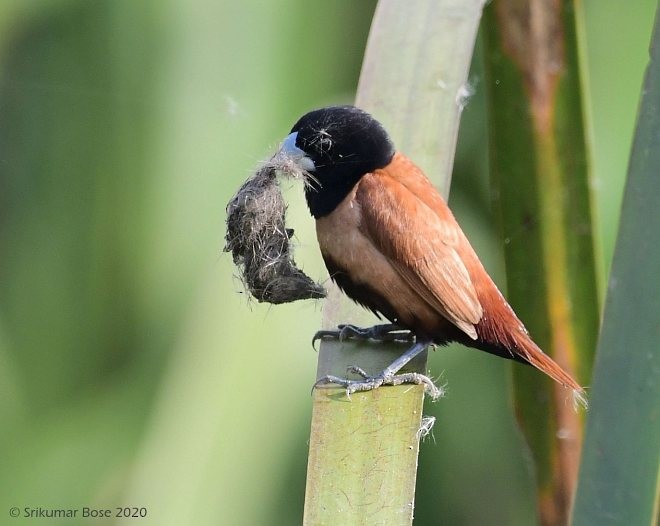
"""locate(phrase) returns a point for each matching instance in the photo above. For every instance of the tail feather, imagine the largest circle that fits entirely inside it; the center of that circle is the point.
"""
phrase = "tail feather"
(501, 332)
(535, 356)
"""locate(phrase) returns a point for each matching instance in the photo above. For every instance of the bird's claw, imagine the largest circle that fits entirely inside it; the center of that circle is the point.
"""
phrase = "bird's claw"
(381, 333)
(369, 383)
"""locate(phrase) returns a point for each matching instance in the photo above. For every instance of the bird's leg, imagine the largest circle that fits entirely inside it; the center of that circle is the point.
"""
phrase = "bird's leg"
(383, 333)
(387, 376)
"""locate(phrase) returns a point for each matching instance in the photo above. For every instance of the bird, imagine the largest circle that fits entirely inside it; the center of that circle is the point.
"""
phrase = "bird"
(391, 244)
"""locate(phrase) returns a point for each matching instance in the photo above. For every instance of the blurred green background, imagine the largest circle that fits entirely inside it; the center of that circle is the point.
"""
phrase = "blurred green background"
(133, 369)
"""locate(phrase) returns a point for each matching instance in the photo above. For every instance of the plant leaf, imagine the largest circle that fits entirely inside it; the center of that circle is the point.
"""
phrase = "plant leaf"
(620, 467)
(540, 176)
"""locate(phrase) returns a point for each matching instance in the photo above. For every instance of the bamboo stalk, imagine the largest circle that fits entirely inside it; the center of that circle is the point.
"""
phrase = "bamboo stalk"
(363, 451)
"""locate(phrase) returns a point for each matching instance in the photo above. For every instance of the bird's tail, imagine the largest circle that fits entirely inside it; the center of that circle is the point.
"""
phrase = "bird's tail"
(531, 352)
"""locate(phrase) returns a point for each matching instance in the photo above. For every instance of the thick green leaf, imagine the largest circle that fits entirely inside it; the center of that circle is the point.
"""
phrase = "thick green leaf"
(413, 80)
(541, 179)
(620, 467)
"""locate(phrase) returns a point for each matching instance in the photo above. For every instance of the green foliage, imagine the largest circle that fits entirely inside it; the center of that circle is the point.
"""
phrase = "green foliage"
(542, 182)
(621, 461)
(132, 370)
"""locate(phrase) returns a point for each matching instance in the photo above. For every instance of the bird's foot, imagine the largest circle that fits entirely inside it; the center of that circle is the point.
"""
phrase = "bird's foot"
(368, 383)
(388, 332)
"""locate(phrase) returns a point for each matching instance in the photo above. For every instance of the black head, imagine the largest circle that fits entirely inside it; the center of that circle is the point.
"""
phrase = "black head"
(343, 143)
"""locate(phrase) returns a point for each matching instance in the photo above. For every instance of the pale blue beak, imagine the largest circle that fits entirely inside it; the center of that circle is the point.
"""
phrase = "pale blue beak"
(297, 155)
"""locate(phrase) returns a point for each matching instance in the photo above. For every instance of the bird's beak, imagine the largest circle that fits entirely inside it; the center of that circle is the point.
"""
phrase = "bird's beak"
(290, 151)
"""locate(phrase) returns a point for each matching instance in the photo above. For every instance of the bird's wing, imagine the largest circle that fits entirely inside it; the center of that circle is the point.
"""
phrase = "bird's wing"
(420, 245)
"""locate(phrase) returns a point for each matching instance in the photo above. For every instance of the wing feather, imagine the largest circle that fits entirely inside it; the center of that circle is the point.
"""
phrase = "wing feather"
(420, 245)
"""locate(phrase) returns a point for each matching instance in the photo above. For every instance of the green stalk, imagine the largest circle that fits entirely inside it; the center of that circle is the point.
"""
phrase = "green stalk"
(540, 173)
(363, 452)
(620, 471)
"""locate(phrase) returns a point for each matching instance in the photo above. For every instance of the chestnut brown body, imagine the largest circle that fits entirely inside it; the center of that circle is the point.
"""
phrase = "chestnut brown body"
(391, 243)
(394, 246)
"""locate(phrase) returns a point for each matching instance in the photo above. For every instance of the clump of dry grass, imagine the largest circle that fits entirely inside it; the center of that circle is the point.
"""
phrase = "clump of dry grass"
(260, 243)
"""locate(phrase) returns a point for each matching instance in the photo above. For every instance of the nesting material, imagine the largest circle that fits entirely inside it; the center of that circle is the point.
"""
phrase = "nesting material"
(260, 243)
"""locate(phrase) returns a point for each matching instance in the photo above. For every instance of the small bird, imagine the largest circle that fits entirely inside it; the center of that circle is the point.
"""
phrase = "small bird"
(390, 242)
